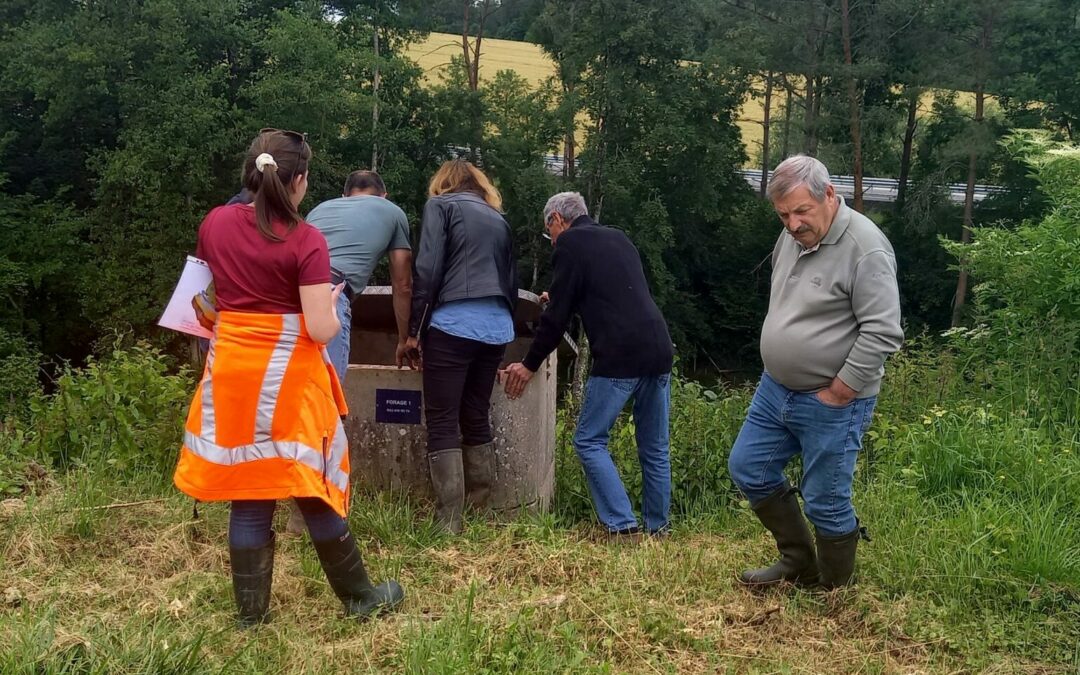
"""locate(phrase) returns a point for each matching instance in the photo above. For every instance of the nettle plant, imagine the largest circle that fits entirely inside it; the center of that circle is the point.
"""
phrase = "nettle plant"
(124, 412)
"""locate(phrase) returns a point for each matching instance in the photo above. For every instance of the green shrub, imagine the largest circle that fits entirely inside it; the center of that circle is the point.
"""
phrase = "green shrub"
(1025, 345)
(976, 508)
(124, 412)
(13, 463)
(19, 365)
(704, 424)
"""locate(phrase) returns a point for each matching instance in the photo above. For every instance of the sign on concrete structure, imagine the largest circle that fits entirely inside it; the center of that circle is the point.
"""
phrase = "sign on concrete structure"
(397, 406)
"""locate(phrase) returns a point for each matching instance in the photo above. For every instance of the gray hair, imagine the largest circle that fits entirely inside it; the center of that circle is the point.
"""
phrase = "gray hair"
(795, 171)
(569, 205)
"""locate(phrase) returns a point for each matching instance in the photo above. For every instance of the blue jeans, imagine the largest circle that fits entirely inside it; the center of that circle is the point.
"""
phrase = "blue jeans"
(605, 398)
(250, 521)
(338, 347)
(782, 423)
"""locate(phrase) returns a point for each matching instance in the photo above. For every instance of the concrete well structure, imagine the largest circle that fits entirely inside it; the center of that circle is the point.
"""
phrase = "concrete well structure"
(385, 425)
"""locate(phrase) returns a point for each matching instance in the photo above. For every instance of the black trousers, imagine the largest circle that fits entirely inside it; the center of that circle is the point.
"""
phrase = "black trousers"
(459, 375)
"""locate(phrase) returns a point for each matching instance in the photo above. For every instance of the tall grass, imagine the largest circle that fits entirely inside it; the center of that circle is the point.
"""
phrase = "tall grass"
(969, 484)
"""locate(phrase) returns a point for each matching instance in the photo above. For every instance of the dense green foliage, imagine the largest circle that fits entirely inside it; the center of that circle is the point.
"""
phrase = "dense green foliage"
(125, 122)
(128, 122)
(123, 414)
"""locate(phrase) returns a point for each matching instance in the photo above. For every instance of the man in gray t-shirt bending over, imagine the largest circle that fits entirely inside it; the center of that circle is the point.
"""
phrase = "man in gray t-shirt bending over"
(360, 227)
(834, 317)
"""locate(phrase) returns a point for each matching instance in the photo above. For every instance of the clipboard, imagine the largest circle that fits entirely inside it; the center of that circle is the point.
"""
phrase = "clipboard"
(179, 314)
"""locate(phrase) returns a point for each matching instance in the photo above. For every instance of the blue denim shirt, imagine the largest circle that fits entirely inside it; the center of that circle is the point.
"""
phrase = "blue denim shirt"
(486, 320)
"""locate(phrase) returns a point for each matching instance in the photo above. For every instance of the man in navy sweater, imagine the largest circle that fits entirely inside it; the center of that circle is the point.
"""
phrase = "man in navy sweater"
(597, 273)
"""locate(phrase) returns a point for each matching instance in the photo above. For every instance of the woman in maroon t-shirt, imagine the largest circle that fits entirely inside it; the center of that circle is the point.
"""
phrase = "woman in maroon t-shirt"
(266, 260)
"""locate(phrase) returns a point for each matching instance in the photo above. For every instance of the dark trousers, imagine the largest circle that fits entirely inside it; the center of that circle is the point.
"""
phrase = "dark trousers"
(459, 375)
(250, 521)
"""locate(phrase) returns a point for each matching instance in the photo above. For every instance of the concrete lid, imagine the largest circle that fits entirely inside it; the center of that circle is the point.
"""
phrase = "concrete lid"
(374, 310)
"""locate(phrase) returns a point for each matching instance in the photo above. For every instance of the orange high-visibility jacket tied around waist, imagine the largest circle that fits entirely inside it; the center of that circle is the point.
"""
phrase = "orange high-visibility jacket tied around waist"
(265, 422)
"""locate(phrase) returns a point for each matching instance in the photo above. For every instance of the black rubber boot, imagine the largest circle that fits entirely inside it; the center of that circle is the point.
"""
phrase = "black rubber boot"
(252, 574)
(781, 515)
(448, 481)
(479, 465)
(836, 557)
(345, 571)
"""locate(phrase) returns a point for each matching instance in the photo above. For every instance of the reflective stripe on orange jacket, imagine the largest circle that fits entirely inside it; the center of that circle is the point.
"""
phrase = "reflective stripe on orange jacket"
(265, 422)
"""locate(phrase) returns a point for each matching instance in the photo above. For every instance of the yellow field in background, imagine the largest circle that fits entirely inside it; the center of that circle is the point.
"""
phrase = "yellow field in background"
(524, 58)
(528, 60)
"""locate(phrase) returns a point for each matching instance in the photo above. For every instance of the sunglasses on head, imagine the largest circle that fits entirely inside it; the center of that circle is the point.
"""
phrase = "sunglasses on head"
(299, 137)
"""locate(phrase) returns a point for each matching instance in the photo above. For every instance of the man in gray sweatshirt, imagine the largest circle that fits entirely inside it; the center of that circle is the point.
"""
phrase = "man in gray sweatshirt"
(834, 317)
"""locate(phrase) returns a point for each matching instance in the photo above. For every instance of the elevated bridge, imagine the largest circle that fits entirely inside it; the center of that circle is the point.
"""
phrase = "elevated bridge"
(881, 190)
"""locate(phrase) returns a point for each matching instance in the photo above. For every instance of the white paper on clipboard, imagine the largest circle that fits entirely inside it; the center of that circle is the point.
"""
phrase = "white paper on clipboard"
(179, 314)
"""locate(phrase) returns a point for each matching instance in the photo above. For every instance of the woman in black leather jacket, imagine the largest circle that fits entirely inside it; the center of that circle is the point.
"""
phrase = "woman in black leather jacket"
(464, 293)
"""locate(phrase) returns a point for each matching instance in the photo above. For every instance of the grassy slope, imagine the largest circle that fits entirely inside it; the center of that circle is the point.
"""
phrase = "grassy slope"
(145, 589)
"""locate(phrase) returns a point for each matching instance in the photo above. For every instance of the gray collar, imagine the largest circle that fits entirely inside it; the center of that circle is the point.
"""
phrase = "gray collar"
(839, 224)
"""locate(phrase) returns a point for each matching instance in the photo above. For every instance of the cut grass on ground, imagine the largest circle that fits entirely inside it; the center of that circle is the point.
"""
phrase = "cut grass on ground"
(145, 588)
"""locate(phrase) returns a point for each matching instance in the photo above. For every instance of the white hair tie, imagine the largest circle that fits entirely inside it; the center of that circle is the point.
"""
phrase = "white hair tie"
(264, 160)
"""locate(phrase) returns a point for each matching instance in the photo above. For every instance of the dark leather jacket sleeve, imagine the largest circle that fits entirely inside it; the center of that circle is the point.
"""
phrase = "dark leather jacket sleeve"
(429, 264)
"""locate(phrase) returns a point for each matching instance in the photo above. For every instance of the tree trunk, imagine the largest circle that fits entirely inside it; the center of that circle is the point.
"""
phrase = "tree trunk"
(375, 107)
(815, 46)
(569, 156)
(787, 122)
(472, 54)
(765, 133)
(467, 54)
(819, 83)
(569, 79)
(819, 78)
(581, 369)
(854, 107)
(474, 74)
(960, 299)
(809, 74)
(569, 139)
(596, 180)
(985, 43)
(909, 140)
(808, 113)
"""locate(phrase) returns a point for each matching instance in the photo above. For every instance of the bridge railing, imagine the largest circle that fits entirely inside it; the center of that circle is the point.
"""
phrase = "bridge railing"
(882, 189)
(875, 189)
